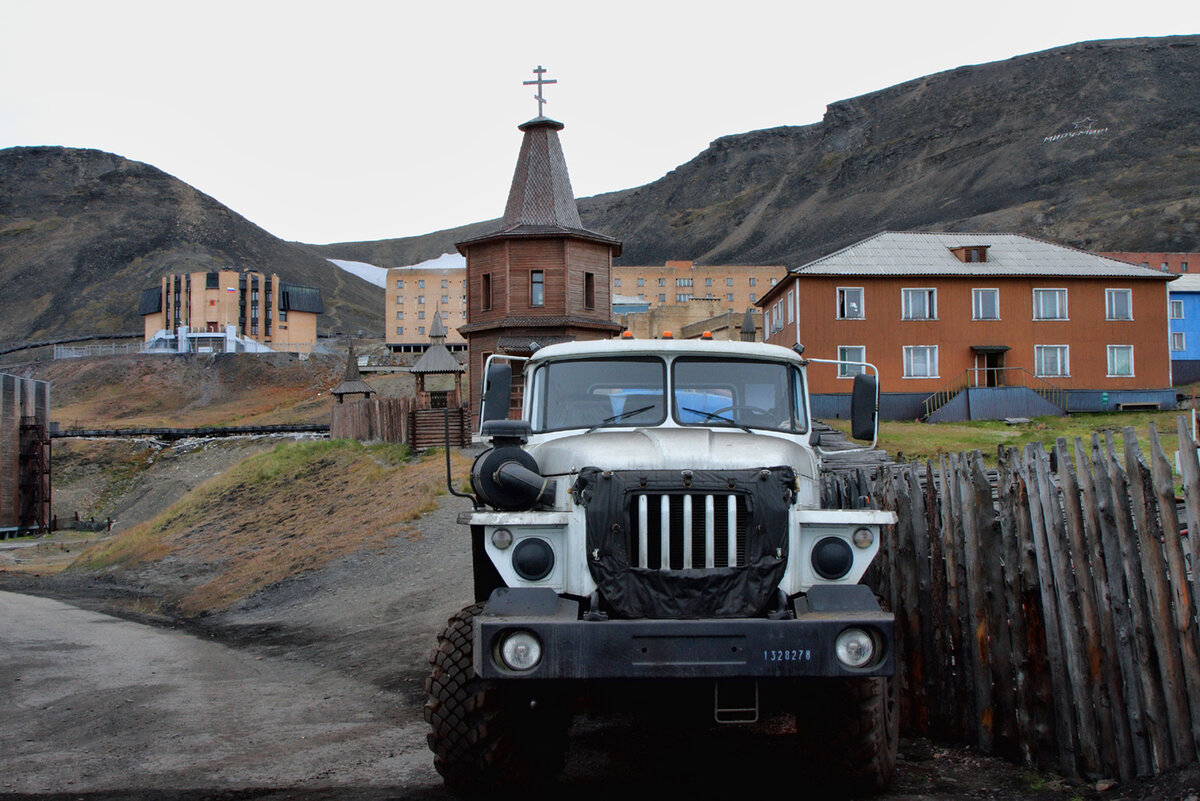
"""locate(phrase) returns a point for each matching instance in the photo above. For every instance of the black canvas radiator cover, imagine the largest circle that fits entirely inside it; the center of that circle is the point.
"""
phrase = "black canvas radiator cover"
(747, 590)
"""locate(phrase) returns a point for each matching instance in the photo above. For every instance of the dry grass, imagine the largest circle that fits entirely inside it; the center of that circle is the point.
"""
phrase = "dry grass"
(293, 509)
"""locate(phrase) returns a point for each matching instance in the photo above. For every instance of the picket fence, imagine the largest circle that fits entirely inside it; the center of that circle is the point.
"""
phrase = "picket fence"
(1045, 609)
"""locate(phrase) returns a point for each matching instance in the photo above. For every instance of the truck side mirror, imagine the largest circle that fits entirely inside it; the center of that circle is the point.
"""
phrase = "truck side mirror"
(497, 391)
(864, 407)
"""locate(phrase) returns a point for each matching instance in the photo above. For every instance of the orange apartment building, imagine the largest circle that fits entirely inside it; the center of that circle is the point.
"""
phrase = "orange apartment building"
(222, 311)
(415, 294)
(978, 326)
(737, 288)
(1166, 262)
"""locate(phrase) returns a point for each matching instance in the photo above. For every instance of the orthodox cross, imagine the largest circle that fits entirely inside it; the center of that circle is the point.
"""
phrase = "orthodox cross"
(540, 71)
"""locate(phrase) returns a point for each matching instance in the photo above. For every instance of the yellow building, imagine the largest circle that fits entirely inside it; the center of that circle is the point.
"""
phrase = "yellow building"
(414, 294)
(736, 288)
(224, 311)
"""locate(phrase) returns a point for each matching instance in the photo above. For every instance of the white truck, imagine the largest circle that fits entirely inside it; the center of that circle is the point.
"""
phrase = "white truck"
(650, 532)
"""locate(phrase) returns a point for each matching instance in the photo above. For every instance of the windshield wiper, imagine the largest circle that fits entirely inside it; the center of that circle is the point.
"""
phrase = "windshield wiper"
(618, 416)
(715, 416)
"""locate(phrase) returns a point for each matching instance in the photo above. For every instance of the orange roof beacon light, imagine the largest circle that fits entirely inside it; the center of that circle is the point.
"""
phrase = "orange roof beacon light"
(706, 335)
(667, 335)
(626, 335)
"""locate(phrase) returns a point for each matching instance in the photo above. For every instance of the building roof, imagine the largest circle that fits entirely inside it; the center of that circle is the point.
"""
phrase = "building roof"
(1186, 283)
(540, 200)
(352, 384)
(437, 359)
(151, 301)
(293, 297)
(918, 253)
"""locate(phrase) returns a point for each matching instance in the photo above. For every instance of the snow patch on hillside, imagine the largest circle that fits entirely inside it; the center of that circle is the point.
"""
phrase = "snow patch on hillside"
(378, 275)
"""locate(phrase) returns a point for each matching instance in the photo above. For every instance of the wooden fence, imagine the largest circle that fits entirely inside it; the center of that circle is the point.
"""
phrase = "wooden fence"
(399, 420)
(372, 419)
(1045, 609)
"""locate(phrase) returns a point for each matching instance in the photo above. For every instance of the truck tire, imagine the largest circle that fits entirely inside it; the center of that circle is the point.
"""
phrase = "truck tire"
(850, 733)
(485, 736)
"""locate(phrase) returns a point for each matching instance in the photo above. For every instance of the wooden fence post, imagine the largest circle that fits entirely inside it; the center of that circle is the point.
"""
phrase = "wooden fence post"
(1055, 658)
(939, 683)
(1083, 617)
(1180, 596)
(1115, 713)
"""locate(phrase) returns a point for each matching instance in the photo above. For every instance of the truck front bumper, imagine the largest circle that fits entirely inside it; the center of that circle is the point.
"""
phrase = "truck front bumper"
(574, 648)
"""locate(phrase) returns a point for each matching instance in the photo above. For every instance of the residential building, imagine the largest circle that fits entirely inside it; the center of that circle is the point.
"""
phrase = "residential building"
(229, 310)
(413, 295)
(735, 287)
(24, 456)
(690, 320)
(1027, 326)
(1184, 315)
(1166, 262)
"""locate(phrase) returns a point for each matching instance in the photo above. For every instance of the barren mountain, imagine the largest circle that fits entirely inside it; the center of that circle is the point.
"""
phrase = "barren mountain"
(82, 232)
(1096, 145)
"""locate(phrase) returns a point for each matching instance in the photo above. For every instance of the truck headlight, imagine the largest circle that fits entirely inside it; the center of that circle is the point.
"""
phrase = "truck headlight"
(832, 558)
(520, 650)
(863, 537)
(533, 559)
(855, 648)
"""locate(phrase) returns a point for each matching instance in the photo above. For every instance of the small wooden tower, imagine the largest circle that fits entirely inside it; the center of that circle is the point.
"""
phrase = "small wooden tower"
(541, 278)
(438, 373)
(749, 331)
(351, 383)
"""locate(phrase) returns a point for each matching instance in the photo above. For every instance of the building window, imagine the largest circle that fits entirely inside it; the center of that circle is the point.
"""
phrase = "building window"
(851, 353)
(1118, 304)
(537, 288)
(1052, 361)
(421, 314)
(1177, 310)
(985, 304)
(791, 306)
(1120, 361)
(589, 290)
(445, 298)
(918, 304)
(641, 282)
(1050, 304)
(1165, 267)
(421, 299)
(774, 281)
(708, 282)
(399, 315)
(1183, 266)
(662, 298)
(682, 297)
(920, 361)
(421, 284)
(1178, 341)
(850, 303)
(485, 292)
(399, 283)
(777, 320)
(641, 296)
(753, 297)
(421, 330)
(753, 281)
(683, 282)
(616, 282)
(399, 300)
(399, 329)
(445, 283)
(729, 281)
(662, 282)
(729, 297)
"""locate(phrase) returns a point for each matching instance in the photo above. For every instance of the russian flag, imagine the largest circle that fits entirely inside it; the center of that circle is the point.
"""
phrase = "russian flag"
(231, 289)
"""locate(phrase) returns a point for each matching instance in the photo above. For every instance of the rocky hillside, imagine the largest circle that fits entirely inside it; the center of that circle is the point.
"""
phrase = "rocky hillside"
(1095, 145)
(82, 232)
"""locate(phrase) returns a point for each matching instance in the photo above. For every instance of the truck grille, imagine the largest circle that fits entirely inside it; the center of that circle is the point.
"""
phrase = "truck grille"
(683, 532)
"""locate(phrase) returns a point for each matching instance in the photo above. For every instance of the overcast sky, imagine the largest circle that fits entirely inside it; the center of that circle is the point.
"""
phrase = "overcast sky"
(344, 120)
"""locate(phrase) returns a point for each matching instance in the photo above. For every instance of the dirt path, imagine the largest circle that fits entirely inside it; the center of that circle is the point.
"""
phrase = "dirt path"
(92, 703)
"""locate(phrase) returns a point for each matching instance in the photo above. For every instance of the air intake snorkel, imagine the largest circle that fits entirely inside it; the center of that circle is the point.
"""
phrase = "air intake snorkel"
(505, 476)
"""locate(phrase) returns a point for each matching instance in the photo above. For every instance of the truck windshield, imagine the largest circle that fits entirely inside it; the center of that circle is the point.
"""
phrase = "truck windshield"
(600, 392)
(738, 392)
